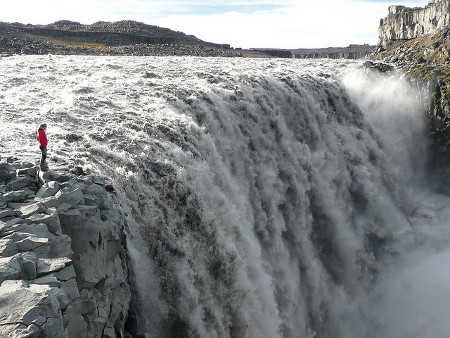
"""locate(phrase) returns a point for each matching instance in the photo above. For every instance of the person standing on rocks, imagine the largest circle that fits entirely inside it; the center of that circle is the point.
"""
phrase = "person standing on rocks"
(42, 139)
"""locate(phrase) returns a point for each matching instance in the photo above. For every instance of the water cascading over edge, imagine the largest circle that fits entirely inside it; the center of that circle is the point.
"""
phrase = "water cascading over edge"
(262, 204)
(264, 198)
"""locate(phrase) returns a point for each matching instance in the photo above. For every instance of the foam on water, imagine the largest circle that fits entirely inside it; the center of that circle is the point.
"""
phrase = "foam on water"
(265, 198)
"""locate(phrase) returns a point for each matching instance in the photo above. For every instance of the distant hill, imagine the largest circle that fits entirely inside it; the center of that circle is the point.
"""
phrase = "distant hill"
(126, 32)
(138, 28)
(350, 52)
(136, 38)
(105, 38)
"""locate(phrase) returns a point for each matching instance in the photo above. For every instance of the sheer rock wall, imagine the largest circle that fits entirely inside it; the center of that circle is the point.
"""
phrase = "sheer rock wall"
(403, 23)
(63, 269)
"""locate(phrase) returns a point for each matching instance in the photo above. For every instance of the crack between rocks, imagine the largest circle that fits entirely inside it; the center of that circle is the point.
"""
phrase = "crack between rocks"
(57, 334)
(40, 246)
(16, 323)
(50, 272)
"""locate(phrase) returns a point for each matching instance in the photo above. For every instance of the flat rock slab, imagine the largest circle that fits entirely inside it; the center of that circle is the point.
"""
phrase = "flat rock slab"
(17, 196)
(7, 166)
(32, 244)
(49, 280)
(6, 224)
(17, 183)
(36, 230)
(9, 268)
(29, 310)
(19, 266)
(21, 242)
(48, 265)
(7, 213)
(51, 220)
(32, 172)
(68, 196)
(48, 189)
(30, 209)
(6, 175)
(66, 274)
(95, 189)
(52, 176)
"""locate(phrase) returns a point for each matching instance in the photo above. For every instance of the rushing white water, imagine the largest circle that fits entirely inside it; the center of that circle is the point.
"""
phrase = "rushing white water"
(265, 198)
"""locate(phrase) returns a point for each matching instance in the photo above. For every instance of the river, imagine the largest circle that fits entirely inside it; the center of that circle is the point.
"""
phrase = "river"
(264, 198)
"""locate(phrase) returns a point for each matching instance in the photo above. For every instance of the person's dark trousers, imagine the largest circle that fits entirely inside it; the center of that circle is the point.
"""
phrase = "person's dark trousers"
(43, 157)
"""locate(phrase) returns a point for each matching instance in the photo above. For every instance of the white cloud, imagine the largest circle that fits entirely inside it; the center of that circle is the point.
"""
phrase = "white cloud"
(304, 24)
(47, 11)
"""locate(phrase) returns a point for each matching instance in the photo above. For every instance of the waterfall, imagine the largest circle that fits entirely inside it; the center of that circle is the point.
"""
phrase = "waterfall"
(411, 295)
(264, 198)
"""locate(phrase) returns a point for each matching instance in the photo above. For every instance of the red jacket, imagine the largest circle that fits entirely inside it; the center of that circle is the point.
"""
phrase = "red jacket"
(41, 137)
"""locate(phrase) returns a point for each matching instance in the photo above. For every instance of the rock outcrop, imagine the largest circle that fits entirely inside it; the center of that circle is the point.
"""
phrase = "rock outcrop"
(418, 41)
(403, 23)
(63, 266)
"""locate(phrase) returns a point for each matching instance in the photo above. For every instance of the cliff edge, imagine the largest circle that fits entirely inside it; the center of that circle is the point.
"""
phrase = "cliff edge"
(418, 41)
(63, 269)
(404, 23)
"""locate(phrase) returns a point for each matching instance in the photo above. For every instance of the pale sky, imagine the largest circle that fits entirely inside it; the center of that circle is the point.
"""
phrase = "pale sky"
(240, 23)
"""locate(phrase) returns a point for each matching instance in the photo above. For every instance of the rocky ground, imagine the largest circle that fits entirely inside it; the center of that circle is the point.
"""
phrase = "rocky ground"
(138, 39)
(103, 38)
(63, 269)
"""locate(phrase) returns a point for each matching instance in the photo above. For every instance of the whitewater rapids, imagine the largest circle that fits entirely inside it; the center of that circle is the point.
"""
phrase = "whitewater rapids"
(265, 198)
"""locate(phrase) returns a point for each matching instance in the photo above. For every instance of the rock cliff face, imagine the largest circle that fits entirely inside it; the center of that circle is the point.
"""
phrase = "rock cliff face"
(403, 23)
(418, 41)
(63, 270)
(350, 52)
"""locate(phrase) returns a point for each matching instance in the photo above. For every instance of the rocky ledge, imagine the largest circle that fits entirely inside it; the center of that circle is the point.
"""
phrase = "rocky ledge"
(403, 23)
(426, 60)
(418, 41)
(63, 269)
